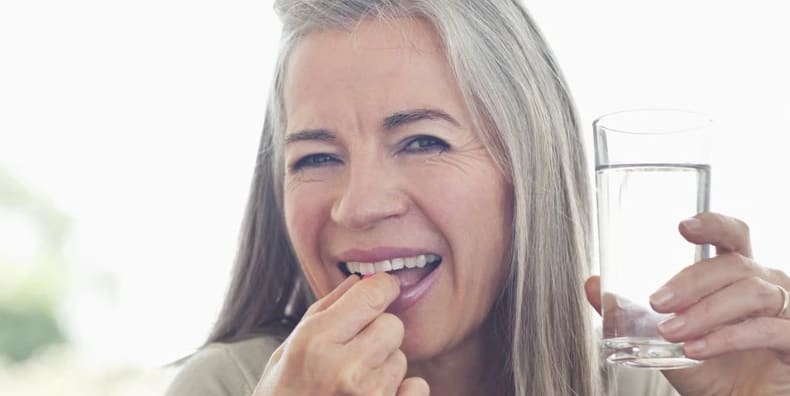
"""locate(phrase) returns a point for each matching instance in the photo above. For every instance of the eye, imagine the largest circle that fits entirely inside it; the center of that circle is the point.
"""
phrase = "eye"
(424, 143)
(314, 161)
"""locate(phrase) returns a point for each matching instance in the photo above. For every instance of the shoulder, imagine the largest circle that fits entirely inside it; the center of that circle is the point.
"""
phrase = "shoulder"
(230, 369)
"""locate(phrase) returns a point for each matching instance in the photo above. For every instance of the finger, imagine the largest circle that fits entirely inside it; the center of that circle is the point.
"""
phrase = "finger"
(414, 386)
(359, 306)
(378, 340)
(623, 316)
(277, 354)
(592, 288)
(329, 299)
(271, 363)
(703, 278)
(728, 234)
(750, 297)
(762, 332)
(389, 375)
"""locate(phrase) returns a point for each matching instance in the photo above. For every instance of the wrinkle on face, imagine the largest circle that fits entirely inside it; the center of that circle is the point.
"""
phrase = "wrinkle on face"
(466, 160)
(451, 201)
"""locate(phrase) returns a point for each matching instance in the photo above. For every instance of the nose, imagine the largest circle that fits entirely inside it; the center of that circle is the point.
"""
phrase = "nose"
(371, 194)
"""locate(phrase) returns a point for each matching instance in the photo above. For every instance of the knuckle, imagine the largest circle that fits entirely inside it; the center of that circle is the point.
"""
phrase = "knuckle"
(313, 308)
(308, 327)
(766, 290)
(713, 220)
(744, 264)
(759, 270)
(393, 323)
(741, 225)
(349, 380)
(778, 276)
(707, 216)
(755, 283)
(397, 366)
(765, 293)
(400, 359)
(372, 298)
(720, 218)
(312, 347)
(309, 342)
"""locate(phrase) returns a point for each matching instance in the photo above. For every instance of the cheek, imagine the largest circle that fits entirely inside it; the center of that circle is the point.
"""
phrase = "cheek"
(303, 219)
(473, 211)
(483, 241)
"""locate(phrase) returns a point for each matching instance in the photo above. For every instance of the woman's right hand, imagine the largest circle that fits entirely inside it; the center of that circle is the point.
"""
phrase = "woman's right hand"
(345, 344)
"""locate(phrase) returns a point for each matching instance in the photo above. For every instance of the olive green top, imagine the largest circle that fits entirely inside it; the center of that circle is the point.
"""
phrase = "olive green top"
(233, 369)
(221, 369)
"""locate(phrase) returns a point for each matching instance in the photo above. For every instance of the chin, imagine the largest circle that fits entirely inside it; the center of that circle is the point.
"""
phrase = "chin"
(419, 347)
(426, 334)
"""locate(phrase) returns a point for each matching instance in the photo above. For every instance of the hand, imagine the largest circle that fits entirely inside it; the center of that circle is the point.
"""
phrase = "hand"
(345, 344)
(726, 312)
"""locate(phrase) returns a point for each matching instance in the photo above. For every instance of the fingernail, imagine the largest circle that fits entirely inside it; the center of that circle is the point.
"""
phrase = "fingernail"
(692, 224)
(671, 325)
(662, 297)
(695, 347)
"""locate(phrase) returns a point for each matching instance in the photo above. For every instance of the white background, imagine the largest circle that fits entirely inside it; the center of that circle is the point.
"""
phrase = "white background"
(140, 119)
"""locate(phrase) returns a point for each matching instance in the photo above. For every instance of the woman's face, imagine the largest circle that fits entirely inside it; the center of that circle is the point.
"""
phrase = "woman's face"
(383, 168)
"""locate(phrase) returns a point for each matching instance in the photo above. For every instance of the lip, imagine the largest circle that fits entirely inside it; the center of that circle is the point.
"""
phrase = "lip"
(380, 253)
(411, 295)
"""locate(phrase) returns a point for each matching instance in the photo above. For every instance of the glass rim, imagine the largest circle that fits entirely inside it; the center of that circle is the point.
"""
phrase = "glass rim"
(704, 121)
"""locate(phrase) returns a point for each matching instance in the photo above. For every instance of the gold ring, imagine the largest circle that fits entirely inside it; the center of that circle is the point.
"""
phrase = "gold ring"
(783, 312)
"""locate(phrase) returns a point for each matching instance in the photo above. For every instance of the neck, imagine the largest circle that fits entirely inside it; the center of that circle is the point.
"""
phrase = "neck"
(474, 367)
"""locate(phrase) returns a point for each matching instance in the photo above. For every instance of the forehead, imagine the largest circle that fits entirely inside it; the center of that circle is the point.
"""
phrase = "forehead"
(379, 34)
(381, 64)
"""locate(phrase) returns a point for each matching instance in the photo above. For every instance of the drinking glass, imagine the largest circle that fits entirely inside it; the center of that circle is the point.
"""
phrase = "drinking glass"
(652, 171)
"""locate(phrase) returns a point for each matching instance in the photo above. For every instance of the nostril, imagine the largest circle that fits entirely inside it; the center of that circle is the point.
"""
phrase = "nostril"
(365, 204)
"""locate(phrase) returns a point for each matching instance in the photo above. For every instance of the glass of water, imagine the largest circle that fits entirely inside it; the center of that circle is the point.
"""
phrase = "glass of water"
(652, 171)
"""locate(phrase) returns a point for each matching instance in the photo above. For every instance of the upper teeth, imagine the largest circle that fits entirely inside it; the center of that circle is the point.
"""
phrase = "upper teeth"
(390, 265)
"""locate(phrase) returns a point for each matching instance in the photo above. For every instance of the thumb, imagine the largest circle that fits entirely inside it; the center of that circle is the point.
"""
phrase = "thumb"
(592, 287)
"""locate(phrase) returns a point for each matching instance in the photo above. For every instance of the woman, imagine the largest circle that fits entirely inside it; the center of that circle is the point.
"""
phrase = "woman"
(433, 148)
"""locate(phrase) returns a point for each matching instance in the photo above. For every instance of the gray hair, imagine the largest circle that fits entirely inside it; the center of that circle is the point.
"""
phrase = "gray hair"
(524, 114)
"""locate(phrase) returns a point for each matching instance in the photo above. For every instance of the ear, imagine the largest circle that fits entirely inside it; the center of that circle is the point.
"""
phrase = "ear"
(592, 287)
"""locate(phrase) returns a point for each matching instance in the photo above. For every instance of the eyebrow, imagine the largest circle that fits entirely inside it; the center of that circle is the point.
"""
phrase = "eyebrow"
(405, 117)
(391, 122)
(324, 135)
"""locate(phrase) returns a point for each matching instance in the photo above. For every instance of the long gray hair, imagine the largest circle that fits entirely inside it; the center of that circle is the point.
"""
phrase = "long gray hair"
(524, 115)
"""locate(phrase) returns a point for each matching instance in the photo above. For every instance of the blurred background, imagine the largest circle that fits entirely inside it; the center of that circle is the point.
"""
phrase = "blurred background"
(128, 133)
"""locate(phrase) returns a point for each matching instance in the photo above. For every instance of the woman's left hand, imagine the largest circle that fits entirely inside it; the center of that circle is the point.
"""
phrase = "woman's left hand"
(727, 312)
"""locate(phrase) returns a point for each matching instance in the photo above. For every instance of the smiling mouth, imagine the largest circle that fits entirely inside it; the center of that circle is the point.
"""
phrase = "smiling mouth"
(390, 266)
